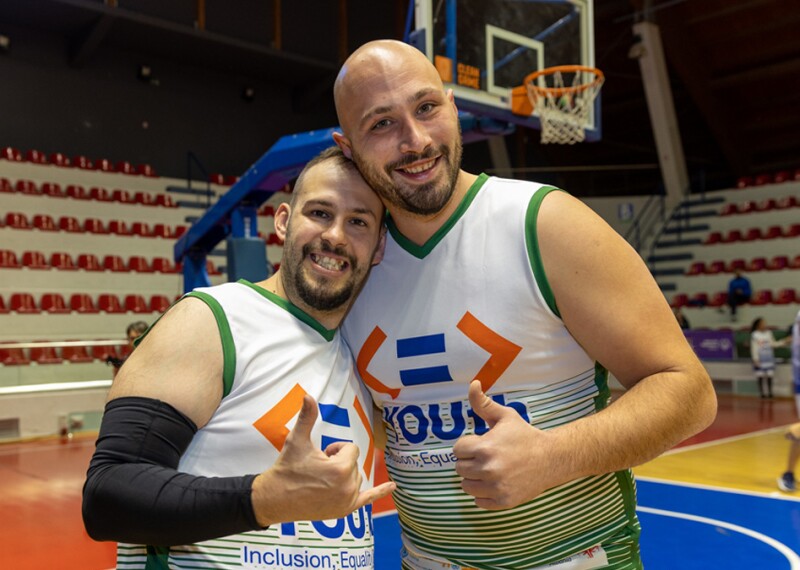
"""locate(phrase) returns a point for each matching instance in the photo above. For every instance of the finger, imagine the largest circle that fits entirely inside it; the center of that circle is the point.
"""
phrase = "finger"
(343, 450)
(305, 420)
(465, 447)
(372, 495)
(484, 406)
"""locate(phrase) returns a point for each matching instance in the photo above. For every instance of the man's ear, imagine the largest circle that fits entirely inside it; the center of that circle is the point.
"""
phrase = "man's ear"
(377, 257)
(344, 144)
(282, 220)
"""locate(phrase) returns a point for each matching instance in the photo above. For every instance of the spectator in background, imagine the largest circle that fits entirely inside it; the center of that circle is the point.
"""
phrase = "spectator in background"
(739, 292)
(681, 318)
(786, 481)
(762, 345)
(134, 331)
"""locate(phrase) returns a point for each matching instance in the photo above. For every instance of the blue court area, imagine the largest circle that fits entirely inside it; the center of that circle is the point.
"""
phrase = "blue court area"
(685, 528)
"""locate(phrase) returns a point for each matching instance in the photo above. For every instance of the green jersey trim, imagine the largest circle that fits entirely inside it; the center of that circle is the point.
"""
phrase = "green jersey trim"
(420, 251)
(327, 334)
(532, 244)
(228, 347)
(157, 558)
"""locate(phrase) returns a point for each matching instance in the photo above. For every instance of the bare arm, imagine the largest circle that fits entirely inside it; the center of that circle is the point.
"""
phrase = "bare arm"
(614, 309)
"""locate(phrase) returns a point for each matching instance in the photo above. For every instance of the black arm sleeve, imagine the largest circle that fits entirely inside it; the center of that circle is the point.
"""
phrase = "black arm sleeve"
(134, 494)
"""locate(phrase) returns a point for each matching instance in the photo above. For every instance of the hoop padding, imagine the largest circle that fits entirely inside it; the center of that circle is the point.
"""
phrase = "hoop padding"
(564, 105)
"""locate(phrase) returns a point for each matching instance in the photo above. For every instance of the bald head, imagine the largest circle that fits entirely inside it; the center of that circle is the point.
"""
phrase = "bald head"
(369, 69)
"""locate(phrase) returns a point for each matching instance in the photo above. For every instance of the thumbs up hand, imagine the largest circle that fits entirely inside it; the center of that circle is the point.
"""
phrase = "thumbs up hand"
(506, 466)
(308, 484)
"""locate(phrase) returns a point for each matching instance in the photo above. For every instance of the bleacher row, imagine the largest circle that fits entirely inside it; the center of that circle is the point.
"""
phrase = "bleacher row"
(753, 230)
(85, 249)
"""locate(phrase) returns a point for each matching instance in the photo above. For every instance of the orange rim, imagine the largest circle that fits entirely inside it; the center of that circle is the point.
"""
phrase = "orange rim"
(559, 91)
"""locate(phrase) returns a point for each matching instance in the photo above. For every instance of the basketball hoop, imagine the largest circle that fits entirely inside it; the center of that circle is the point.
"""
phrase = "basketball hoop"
(563, 106)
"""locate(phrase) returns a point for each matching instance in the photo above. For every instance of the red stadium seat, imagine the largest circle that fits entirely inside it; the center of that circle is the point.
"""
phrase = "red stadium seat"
(767, 205)
(179, 230)
(59, 159)
(122, 196)
(78, 353)
(786, 296)
(139, 264)
(100, 194)
(109, 303)
(795, 264)
(35, 157)
(89, 262)
(45, 355)
(82, 303)
(163, 265)
(34, 260)
(698, 300)
(231, 179)
(696, 268)
(162, 231)
(165, 201)
(13, 357)
(69, 224)
(752, 234)
(12, 154)
(762, 297)
(136, 304)
(142, 229)
(211, 269)
(737, 264)
(728, 210)
(159, 303)
(732, 236)
(82, 162)
(62, 261)
(778, 262)
(103, 351)
(27, 187)
(23, 303)
(713, 237)
(217, 178)
(6, 186)
(104, 165)
(273, 239)
(119, 227)
(53, 303)
(44, 223)
(114, 264)
(8, 259)
(793, 231)
(764, 178)
(94, 226)
(773, 232)
(782, 176)
(3, 308)
(145, 170)
(744, 182)
(757, 264)
(786, 202)
(77, 192)
(125, 167)
(718, 299)
(144, 198)
(52, 189)
(715, 267)
(747, 207)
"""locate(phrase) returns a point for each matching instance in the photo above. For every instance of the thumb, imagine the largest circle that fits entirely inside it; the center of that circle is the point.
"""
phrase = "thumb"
(489, 410)
(301, 432)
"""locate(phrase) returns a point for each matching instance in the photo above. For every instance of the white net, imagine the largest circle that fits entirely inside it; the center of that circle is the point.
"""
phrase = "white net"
(564, 105)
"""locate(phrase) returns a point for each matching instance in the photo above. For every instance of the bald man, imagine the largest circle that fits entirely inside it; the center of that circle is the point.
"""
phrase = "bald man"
(486, 336)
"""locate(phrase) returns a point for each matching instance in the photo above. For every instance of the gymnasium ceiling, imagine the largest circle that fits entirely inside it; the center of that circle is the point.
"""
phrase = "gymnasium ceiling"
(734, 69)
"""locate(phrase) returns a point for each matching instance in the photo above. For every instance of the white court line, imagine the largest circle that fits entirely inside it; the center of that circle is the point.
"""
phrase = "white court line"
(788, 553)
(773, 495)
(723, 440)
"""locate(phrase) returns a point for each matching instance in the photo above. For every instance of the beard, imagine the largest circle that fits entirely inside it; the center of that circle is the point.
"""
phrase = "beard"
(423, 200)
(319, 293)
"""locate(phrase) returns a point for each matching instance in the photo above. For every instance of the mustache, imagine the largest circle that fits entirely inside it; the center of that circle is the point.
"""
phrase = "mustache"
(408, 159)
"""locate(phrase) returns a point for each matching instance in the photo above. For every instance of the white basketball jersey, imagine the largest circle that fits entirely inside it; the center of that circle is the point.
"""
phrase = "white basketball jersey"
(274, 354)
(474, 302)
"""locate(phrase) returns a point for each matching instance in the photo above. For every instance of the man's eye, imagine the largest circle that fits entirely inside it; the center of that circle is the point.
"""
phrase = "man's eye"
(383, 123)
(359, 222)
(426, 108)
(320, 214)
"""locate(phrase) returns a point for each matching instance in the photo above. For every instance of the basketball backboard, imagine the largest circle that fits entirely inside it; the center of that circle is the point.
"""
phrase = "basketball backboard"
(485, 48)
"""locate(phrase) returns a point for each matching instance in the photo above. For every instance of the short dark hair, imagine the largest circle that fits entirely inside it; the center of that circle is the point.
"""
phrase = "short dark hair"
(331, 153)
(138, 326)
